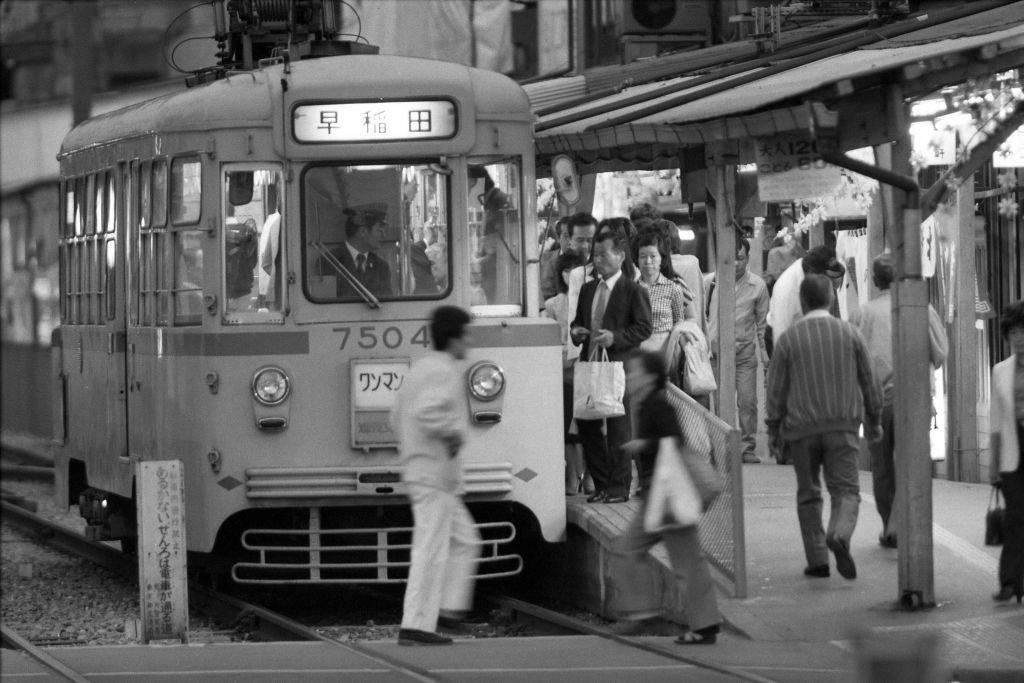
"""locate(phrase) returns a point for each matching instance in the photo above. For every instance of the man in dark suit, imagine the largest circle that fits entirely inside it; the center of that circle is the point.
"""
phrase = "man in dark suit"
(364, 231)
(614, 313)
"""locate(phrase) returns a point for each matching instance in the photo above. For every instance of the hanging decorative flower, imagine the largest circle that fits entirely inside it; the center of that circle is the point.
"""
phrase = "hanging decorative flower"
(1008, 207)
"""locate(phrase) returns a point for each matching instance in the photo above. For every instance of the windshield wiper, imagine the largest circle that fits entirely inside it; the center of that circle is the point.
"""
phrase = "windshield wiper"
(371, 300)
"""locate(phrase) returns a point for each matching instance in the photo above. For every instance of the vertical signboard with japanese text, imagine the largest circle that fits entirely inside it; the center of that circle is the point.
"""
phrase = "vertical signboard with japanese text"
(163, 581)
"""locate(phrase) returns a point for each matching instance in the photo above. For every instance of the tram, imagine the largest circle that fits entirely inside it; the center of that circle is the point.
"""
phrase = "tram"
(247, 270)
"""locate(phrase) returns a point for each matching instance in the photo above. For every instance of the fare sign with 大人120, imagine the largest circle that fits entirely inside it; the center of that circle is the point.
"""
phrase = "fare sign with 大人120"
(790, 168)
(374, 121)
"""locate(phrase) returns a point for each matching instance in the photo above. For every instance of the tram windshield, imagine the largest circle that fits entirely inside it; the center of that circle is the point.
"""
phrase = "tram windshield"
(375, 233)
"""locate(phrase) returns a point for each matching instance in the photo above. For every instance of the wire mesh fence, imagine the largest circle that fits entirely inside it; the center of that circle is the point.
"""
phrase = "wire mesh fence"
(721, 527)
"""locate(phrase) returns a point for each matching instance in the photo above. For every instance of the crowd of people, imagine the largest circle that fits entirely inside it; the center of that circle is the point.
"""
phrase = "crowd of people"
(620, 288)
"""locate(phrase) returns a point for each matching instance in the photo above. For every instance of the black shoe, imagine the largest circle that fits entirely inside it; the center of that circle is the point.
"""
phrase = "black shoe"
(615, 499)
(887, 541)
(1008, 591)
(820, 571)
(844, 562)
(412, 636)
(597, 497)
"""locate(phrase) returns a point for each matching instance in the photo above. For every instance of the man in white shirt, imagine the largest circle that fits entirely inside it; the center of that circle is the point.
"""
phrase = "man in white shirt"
(751, 309)
(431, 419)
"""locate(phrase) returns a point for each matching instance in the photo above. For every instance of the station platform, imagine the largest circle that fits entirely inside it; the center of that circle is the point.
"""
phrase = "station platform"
(971, 637)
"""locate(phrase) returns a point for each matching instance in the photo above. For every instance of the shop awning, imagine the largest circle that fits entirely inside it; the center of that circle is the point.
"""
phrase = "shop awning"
(648, 125)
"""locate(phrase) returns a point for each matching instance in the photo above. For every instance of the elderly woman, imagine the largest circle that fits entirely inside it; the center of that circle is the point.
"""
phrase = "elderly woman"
(1007, 426)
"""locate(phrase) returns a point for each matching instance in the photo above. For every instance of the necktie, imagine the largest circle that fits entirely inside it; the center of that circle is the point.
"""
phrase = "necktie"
(600, 303)
(361, 263)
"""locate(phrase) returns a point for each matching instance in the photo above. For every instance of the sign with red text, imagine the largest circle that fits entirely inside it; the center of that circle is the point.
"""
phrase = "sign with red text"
(789, 168)
(163, 581)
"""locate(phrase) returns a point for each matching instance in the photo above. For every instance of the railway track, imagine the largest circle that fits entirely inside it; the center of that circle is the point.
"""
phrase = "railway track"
(571, 624)
(264, 624)
(13, 641)
(268, 625)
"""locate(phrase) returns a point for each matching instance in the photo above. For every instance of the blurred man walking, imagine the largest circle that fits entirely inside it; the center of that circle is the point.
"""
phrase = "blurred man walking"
(430, 417)
(820, 388)
(874, 320)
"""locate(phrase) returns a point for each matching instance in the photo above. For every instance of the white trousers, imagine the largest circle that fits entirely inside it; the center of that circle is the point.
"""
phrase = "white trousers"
(445, 548)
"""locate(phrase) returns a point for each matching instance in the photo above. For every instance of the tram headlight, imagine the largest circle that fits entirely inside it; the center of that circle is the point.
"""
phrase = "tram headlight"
(270, 386)
(486, 381)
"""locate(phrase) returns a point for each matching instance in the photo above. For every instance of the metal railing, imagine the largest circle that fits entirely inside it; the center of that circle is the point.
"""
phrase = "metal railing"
(721, 527)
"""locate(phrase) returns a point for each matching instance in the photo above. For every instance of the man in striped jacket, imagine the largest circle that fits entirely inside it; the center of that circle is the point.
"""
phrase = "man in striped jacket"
(820, 388)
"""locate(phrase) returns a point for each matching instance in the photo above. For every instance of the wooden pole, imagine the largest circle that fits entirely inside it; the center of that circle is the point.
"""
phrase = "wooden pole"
(962, 364)
(911, 409)
(723, 168)
(879, 227)
(83, 61)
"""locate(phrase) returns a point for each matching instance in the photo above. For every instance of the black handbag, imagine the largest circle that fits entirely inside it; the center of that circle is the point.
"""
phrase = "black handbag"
(995, 518)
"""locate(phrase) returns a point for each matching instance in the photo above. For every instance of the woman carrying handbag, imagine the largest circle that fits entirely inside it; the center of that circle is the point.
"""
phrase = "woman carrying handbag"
(1007, 426)
(658, 428)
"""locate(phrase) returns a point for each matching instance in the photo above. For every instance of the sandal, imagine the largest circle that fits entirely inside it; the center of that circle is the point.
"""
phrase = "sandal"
(695, 638)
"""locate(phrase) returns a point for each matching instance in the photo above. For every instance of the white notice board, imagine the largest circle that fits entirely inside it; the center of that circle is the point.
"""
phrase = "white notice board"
(789, 168)
(163, 581)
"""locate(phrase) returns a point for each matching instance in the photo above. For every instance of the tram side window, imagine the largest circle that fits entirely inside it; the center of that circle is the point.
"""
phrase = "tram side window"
(110, 247)
(253, 244)
(495, 232)
(154, 261)
(83, 249)
(380, 230)
(186, 200)
(162, 263)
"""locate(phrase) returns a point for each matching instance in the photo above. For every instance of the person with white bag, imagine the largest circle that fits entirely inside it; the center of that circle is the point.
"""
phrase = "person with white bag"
(675, 490)
(613, 317)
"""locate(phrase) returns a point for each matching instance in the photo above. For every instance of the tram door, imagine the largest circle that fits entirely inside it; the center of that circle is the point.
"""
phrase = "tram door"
(112, 260)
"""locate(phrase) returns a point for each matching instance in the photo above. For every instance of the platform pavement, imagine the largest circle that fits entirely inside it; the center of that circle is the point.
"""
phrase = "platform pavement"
(978, 639)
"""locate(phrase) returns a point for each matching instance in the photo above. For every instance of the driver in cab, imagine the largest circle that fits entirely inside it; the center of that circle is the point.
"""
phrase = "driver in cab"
(364, 233)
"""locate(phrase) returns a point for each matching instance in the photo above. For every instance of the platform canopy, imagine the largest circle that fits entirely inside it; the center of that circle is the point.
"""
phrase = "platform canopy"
(837, 80)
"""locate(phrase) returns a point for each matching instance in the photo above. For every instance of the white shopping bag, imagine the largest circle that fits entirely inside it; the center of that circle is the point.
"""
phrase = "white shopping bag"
(597, 388)
(673, 500)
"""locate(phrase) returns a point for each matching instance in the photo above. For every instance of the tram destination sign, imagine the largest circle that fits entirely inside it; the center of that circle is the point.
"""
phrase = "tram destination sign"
(374, 121)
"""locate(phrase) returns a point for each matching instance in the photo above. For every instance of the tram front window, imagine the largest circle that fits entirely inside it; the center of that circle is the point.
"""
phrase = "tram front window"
(376, 233)
(495, 230)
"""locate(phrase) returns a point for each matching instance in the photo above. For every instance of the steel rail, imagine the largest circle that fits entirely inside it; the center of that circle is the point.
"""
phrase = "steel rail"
(13, 640)
(571, 623)
(35, 472)
(270, 624)
(67, 539)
